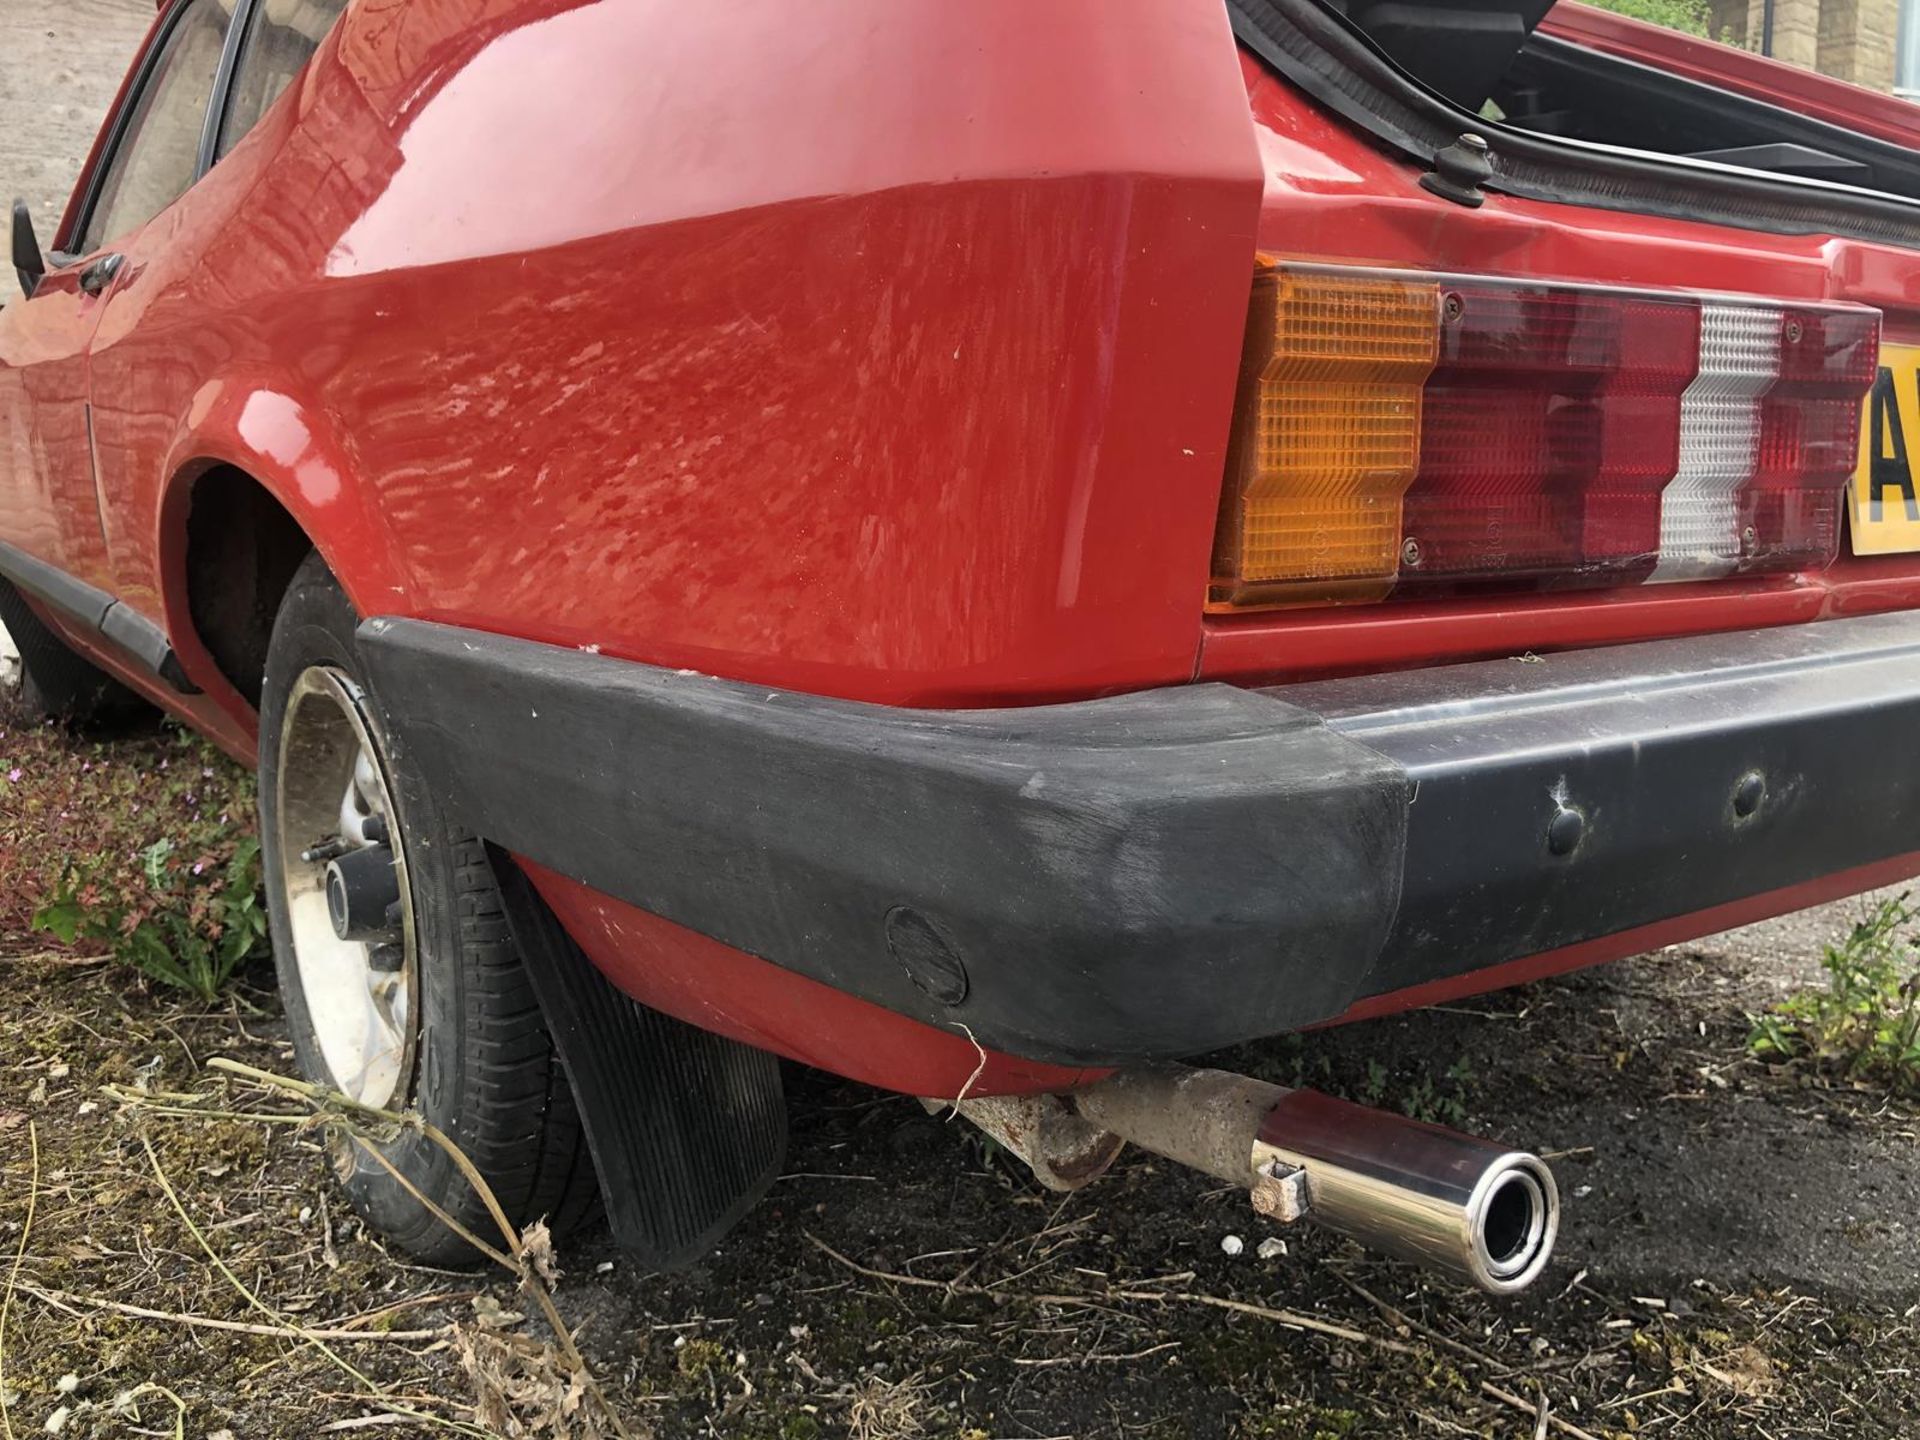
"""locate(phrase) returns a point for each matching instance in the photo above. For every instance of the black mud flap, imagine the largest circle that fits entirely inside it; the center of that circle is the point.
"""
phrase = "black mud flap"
(688, 1128)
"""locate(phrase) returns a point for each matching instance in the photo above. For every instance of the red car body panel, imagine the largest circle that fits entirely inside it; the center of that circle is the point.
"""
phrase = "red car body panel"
(511, 495)
(542, 317)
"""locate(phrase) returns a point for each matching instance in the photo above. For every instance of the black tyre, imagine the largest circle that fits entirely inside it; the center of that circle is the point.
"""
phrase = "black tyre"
(424, 1004)
(55, 683)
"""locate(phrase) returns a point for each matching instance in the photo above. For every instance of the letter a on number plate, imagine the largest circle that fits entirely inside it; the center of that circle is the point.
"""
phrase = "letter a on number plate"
(1884, 497)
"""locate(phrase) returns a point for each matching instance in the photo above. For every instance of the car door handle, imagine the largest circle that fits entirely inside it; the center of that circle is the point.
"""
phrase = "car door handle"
(99, 275)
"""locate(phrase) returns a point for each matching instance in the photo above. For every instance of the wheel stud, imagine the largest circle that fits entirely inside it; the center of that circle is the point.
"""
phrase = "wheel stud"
(322, 851)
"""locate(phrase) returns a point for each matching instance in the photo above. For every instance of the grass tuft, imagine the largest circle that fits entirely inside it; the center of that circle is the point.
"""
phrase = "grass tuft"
(1864, 1027)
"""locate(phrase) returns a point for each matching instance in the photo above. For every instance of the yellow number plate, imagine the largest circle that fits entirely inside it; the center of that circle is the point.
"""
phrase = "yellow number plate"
(1885, 494)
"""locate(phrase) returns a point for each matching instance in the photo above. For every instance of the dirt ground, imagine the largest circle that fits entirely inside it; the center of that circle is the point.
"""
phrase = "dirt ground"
(60, 63)
(1738, 1257)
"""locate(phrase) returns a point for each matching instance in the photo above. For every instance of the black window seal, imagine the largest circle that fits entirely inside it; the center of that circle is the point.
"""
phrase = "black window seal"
(1325, 55)
(221, 95)
(130, 101)
(229, 70)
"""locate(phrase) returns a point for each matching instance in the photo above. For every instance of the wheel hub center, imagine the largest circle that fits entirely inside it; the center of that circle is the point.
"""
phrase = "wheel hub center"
(363, 895)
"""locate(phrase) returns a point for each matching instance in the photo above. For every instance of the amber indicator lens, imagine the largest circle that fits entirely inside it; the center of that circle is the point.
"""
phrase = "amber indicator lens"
(1326, 436)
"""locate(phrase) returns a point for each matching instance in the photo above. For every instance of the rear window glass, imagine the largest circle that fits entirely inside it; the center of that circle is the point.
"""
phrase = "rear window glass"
(280, 40)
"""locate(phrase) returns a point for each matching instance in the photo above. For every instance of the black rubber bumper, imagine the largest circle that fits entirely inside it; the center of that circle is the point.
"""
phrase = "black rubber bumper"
(1164, 873)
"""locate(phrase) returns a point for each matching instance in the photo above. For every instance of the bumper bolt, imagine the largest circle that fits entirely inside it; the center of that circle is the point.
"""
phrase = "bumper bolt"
(1564, 831)
(1748, 792)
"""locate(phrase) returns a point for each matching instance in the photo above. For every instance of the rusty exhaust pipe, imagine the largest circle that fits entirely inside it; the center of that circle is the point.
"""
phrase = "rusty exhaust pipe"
(1464, 1206)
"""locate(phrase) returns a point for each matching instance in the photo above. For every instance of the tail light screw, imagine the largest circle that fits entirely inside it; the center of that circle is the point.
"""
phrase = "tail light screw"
(1410, 552)
(1452, 307)
(1794, 332)
(1749, 541)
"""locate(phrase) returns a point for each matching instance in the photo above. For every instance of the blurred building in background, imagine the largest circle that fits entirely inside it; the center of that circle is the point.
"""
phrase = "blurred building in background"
(1875, 43)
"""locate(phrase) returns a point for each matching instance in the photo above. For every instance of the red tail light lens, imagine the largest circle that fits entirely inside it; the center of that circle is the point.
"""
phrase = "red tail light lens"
(1789, 510)
(1515, 435)
(1551, 424)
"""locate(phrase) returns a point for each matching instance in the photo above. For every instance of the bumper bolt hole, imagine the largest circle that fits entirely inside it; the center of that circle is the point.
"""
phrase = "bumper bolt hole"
(1565, 830)
(930, 959)
(1748, 793)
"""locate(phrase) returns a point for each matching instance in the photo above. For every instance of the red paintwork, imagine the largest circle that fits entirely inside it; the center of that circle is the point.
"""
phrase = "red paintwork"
(877, 391)
(1642, 938)
(886, 353)
(718, 988)
(1353, 641)
(1806, 92)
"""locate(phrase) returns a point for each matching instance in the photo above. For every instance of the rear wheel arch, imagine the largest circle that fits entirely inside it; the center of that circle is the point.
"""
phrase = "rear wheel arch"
(237, 550)
(255, 459)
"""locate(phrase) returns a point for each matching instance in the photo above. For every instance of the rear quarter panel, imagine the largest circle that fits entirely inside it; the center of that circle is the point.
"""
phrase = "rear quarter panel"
(884, 351)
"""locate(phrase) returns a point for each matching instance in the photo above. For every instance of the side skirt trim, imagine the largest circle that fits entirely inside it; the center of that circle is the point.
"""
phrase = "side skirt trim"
(99, 614)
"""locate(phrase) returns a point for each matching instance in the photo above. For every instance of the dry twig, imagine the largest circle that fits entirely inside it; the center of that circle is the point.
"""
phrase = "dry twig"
(13, 1275)
(240, 1287)
(236, 1327)
(522, 1259)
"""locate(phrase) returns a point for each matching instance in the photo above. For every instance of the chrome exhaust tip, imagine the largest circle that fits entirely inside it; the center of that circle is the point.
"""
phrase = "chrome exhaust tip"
(1466, 1207)
(1515, 1225)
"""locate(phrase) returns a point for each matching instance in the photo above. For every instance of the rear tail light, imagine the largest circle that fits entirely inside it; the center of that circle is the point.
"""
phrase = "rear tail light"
(1407, 435)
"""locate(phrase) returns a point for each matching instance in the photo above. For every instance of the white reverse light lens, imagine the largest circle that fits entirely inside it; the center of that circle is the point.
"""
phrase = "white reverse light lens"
(1719, 435)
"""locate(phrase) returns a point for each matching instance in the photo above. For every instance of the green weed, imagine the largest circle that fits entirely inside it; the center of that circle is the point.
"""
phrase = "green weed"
(1865, 1025)
(194, 926)
(1692, 17)
(140, 848)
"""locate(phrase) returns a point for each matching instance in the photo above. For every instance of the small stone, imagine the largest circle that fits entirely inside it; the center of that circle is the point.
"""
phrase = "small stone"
(57, 1421)
(1271, 1248)
(87, 1107)
(605, 1267)
(1232, 1244)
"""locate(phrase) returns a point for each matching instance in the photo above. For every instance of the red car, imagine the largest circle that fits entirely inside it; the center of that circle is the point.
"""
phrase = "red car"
(985, 547)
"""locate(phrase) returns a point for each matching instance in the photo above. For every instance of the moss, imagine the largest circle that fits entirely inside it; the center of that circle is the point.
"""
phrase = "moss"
(696, 1360)
(1318, 1422)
